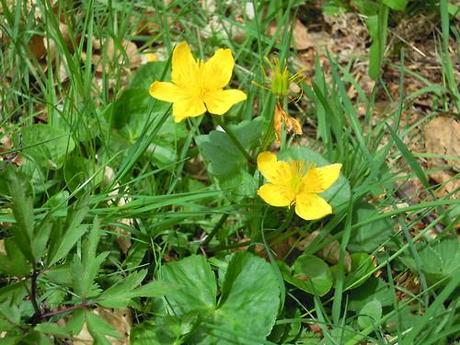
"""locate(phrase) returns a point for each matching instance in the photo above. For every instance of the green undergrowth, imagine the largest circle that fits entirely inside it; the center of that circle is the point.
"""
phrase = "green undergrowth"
(108, 204)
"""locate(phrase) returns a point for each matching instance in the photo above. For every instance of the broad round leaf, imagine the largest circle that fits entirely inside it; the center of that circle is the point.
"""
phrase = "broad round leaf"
(370, 314)
(310, 274)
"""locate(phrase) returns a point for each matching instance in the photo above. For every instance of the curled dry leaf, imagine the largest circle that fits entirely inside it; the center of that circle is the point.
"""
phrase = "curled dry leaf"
(120, 319)
(442, 137)
(291, 124)
(2, 247)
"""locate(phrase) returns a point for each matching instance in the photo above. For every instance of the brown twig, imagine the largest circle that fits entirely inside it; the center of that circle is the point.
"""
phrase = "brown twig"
(65, 310)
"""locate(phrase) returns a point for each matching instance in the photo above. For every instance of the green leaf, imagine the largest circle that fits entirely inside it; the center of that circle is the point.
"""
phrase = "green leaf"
(58, 203)
(135, 106)
(439, 260)
(339, 193)
(397, 5)
(14, 262)
(373, 288)
(377, 25)
(223, 157)
(249, 301)
(63, 242)
(100, 329)
(46, 145)
(23, 211)
(239, 186)
(40, 238)
(163, 331)
(52, 328)
(370, 314)
(370, 236)
(248, 305)
(195, 284)
(361, 267)
(79, 170)
(310, 274)
(10, 316)
(120, 294)
(152, 289)
(86, 268)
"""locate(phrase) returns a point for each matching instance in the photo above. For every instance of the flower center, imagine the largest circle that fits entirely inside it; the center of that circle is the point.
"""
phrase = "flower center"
(298, 170)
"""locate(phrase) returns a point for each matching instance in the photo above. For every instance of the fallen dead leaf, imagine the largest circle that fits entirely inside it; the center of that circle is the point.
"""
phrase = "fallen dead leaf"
(37, 46)
(120, 319)
(302, 39)
(2, 247)
(442, 136)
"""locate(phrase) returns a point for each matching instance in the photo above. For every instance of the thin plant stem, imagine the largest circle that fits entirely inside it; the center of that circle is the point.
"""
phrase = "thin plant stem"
(215, 229)
(33, 294)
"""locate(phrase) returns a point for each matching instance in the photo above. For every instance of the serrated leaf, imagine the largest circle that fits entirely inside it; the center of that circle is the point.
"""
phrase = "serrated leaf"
(163, 331)
(193, 271)
(120, 294)
(14, 262)
(52, 328)
(439, 260)
(23, 211)
(46, 145)
(72, 231)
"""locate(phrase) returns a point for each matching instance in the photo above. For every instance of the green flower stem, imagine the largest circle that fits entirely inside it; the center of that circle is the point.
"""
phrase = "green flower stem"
(235, 140)
(215, 229)
(287, 220)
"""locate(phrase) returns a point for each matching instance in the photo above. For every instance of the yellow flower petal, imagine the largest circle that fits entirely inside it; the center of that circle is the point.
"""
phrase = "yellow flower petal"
(190, 107)
(218, 70)
(167, 92)
(276, 195)
(185, 69)
(311, 206)
(317, 180)
(150, 57)
(220, 101)
(267, 163)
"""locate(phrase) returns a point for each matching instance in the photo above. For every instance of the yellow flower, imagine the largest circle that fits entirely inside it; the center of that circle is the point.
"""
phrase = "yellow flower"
(198, 86)
(296, 182)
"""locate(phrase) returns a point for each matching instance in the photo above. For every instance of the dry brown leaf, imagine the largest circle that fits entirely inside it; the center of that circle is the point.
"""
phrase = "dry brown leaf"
(2, 247)
(108, 53)
(302, 39)
(37, 46)
(442, 136)
(120, 319)
(291, 124)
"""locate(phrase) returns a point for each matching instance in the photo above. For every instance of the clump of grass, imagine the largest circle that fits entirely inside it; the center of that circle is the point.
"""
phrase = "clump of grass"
(108, 205)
